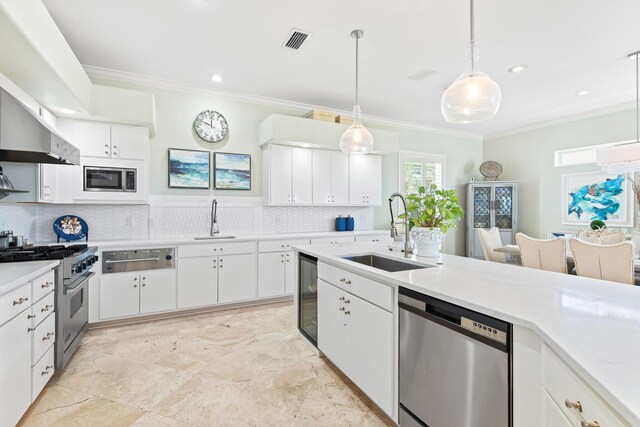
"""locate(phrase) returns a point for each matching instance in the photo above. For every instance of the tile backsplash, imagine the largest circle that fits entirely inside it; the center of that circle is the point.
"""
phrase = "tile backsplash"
(167, 216)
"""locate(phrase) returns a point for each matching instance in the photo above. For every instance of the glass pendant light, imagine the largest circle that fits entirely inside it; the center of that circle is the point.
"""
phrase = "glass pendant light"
(474, 96)
(357, 139)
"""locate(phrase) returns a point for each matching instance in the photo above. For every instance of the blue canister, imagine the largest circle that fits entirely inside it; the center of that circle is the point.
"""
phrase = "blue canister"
(341, 223)
(351, 223)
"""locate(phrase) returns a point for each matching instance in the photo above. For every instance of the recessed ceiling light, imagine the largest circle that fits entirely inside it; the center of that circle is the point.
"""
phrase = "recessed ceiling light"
(68, 111)
(216, 78)
(517, 68)
(582, 93)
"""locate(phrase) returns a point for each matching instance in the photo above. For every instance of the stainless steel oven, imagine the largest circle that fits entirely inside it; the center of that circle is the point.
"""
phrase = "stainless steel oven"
(99, 178)
(73, 315)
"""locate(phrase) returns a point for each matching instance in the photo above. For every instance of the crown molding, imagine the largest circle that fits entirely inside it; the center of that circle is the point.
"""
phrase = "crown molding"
(155, 82)
(563, 120)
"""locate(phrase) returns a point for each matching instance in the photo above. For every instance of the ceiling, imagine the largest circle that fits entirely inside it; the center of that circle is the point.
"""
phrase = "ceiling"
(568, 45)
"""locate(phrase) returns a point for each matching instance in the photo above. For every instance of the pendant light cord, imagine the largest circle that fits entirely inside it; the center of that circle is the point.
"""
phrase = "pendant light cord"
(472, 31)
(357, 39)
(637, 103)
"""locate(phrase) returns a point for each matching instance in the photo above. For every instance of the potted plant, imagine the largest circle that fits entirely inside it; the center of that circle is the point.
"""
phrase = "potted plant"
(432, 211)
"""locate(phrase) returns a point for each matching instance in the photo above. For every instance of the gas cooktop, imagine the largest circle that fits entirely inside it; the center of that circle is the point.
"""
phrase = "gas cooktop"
(39, 253)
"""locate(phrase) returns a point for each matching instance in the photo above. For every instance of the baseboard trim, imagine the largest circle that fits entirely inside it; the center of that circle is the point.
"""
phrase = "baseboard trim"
(188, 312)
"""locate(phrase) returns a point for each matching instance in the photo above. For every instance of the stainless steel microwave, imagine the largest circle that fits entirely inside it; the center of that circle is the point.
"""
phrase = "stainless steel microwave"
(98, 178)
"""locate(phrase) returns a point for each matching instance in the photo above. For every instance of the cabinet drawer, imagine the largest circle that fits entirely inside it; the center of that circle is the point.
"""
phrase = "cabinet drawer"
(42, 372)
(280, 245)
(208, 249)
(332, 240)
(41, 309)
(374, 292)
(43, 336)
(14, 302)
(43, 285)
(563, 384)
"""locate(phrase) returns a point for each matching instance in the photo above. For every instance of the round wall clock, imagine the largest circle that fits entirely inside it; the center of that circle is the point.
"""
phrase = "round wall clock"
(211, 126)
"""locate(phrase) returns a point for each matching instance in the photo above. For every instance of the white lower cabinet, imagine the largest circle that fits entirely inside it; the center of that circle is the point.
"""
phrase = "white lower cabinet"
(551, 414)
(237, 279)
(332, 240)
(275, 274)
(26, 346)
(358, 338)
(157, 290)
(15, 368)
(197, 281)
(129, 294)
(119, 295)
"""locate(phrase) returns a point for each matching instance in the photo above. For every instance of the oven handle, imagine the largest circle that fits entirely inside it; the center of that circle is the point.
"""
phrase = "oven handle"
(120, 261)
(76, 288)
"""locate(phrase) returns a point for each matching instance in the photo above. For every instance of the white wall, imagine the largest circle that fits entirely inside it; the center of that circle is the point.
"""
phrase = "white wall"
(527, 157)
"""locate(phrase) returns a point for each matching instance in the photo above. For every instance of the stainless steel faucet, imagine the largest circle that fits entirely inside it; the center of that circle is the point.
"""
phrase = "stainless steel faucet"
(408, 249)
(214, 218)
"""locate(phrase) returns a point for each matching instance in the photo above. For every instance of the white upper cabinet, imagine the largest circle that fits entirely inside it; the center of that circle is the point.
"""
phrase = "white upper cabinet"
(129, 142)
(106, 140)
(330, 178)
(288, 175)
(92, 139)
(365, 180)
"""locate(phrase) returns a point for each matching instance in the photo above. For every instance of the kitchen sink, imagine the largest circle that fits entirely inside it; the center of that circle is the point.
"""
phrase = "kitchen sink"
(383, 263)
(214, 237)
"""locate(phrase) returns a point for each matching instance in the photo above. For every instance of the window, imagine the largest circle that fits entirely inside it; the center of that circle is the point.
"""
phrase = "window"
(580, 155)
(418, 169)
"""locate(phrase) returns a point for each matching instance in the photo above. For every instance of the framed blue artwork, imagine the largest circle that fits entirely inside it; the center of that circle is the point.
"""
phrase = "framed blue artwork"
(189, 169)
(231, 171)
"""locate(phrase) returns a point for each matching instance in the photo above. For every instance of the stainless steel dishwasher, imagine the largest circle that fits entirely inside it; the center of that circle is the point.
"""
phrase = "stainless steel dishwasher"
(455, 365)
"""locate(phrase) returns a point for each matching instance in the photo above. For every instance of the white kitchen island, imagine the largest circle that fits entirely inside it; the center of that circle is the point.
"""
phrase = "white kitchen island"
(574, 338)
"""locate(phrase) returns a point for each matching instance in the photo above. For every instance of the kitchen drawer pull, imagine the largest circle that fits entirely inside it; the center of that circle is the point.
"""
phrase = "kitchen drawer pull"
(121, 261)
(347, 301)
(20, 301)
(347, 312)
(31, 329)
(48, 336)
(343, 280)
(46, 285)
(31, 316)
(348, 282)
(584, 423)
(341, 309)
(341, 298)
(46, 308)
(43, 373)
(577, 405)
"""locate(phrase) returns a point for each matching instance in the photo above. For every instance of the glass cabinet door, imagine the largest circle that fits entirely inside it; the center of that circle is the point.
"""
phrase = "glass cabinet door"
(482, 207)
(503, 207)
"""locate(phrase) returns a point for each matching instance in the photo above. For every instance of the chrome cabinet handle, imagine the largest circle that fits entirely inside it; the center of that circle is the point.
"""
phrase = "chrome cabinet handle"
(31, 329)
(121, 261)
(584, 423)
(348, 282)
(45, 308)
(20, 301)
(347, 301)
(48, 336)
(341, 309)
(46, 285)
(31, 316)
(341, 298)
(347, 312)
(343, 280)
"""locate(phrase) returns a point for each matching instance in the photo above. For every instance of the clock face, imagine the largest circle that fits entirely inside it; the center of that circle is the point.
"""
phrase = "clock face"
(211, 126)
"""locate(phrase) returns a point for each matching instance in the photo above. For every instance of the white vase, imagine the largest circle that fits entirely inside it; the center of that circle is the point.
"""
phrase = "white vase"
(427, 241)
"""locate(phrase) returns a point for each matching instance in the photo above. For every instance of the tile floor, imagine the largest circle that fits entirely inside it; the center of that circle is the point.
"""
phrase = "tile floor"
(241, 367)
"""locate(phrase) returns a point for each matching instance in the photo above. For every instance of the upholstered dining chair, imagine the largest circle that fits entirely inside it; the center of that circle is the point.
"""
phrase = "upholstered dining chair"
(490, 240)
(550, 255)
(602, 239)
(635, 239)
(605, 262)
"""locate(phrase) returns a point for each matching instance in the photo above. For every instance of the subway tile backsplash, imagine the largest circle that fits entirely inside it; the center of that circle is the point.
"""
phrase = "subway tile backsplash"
(167, 216)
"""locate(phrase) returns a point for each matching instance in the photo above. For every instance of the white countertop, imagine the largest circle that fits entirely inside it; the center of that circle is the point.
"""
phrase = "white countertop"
(183, 240)
(16, 274)
(594, 325)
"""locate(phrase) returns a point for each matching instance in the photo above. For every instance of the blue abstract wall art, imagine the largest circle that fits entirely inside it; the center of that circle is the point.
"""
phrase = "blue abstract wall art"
(232, 171)
(189, 169)
(590, 196)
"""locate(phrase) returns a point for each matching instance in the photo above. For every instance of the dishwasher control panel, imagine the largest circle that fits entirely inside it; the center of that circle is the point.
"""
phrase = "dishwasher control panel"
(484, 330)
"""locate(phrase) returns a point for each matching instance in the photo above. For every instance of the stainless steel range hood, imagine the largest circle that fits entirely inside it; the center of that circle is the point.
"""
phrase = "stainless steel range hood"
(26, 138)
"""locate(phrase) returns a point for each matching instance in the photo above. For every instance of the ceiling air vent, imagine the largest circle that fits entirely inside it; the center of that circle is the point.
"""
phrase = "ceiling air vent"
(295, 39)
(421, 74)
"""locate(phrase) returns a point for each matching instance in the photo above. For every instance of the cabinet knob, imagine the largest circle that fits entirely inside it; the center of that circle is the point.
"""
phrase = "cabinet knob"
(135, 279)
(347, 301)
(343, 280)
(341, 298)
(106, 152)
(347, 312)
(348, 282)
(135, 286)
(341, 309)
(144, 284)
